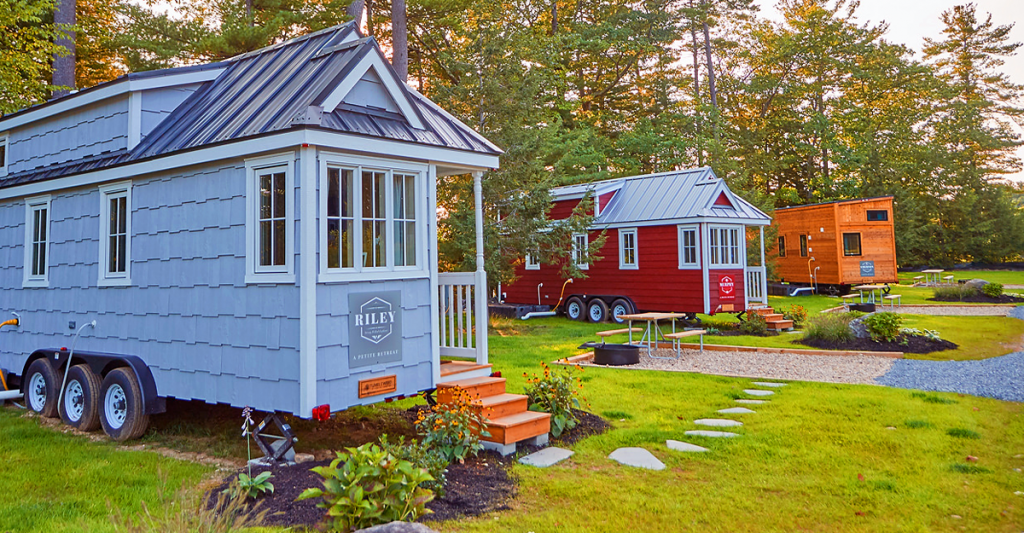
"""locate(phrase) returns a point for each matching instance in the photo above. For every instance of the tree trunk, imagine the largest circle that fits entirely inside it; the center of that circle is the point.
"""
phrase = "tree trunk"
(355, 10)
(64, 65)
(248, 13)
(711, 67)
(369, 18)
(554, 17)
(696, 92)
(399, 39)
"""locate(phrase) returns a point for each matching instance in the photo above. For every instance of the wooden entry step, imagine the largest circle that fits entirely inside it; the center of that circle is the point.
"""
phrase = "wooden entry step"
(780, 325)
(508, 420)
(476, 387)
(763, 311)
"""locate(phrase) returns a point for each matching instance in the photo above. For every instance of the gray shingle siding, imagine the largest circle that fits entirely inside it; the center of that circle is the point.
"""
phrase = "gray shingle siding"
(92, 130)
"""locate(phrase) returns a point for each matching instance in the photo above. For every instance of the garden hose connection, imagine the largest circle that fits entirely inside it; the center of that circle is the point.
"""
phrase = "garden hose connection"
(67, 368)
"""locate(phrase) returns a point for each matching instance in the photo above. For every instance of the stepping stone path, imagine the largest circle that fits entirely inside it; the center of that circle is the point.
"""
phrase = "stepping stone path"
(637, 457)
(756, 392)
(712, 434)
(546, 457)
(736, 411)
(750, 402)
(769, 384)
(717, 422)
(684, 446)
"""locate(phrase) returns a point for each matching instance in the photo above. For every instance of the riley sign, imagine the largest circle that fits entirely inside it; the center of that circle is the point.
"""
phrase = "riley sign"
(375, 328)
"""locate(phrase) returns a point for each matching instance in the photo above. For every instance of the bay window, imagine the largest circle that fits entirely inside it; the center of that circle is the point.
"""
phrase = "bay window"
(724, 244)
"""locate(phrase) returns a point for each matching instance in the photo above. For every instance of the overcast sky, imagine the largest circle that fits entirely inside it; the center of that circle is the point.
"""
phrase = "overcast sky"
(910, 21)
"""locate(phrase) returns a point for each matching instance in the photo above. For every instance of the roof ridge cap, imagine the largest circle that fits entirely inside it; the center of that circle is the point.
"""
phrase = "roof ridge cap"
(293, 40)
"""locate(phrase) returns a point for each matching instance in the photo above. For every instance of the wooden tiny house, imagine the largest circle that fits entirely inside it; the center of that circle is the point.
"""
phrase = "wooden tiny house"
(841, 243)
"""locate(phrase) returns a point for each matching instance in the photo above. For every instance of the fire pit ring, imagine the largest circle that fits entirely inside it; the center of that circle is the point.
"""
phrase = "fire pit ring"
(616, 354)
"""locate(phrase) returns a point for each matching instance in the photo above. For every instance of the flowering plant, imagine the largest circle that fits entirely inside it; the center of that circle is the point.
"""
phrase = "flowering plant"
(557, 393)
(454, 427)
(248, 485)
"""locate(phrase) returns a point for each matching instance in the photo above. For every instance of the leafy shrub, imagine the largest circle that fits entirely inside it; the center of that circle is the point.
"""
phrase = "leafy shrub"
(252, 487)
(453, 428)
(796, 313)
(187, 514)
(422, 456)
(954, 292)
(932, 398)
(962, 433)
(993, 290)
(968, 469)
(617, 415)
(754, 324)
(712, 331)
(829, 327)
(918, 424)
(855, 314)
(557, 393)
(884, 326)
(366, 486)
(929, 334)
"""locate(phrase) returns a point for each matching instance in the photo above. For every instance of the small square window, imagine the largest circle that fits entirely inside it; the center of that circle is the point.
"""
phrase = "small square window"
(782, 246)
(851, 244)
(880, 215)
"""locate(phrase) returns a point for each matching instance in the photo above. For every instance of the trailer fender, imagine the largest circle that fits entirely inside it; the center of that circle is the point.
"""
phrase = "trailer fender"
(102, 364)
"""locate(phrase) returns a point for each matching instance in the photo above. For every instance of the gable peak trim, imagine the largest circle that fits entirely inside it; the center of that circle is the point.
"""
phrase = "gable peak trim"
(395, 88)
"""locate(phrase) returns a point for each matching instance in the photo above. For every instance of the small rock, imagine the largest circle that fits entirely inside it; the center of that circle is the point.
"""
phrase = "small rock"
(303, 457)
(711, 434)
(972, 459)
(717, 422)
(637, 457)
(956, 516)
(891, 427)
(756, 392)
(398, 527)
(736, 411)
(768, 384)
(750, 402)
(1019, 493)
(1016, 470)
(684, 446)
(546, 457)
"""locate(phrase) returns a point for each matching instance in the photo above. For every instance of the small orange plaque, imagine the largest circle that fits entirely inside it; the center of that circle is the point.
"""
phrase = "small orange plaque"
(377, 386)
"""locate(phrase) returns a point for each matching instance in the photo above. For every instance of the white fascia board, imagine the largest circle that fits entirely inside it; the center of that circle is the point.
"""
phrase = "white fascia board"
(676, 221)
(113, 89)
(375, 61)
(401, 150)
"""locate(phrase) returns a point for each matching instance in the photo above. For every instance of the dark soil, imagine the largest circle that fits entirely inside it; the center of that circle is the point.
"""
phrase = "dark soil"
(982, 299)
(480, 485)
(914, 344)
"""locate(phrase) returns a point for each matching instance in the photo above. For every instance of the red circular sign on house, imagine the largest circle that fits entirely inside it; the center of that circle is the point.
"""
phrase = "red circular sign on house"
(726, 287)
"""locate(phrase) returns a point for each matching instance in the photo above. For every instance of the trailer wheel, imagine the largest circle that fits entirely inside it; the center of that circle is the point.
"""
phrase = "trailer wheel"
(597, 311)
(41, 388)
(620, 307)
(80, 407)
(122, 414)
(574, 308)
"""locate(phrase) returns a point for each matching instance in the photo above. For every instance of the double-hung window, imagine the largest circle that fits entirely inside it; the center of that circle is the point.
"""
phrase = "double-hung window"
(724, 244)
(803, 246)
(533, 261)
(688, 256)
(374, 222)
(627, 249)
(115, 234)
(3, 154)
(37, 242)
(782, 246)
(580, 250)
(270, 214)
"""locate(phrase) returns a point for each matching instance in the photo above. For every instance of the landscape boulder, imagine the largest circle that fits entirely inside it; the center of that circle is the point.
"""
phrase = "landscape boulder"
(976, 284)
(398, 527)
(859, 328)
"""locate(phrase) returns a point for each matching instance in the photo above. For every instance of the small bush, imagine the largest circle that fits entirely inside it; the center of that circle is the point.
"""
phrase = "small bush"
(855, 314)
(829, 327)
(932, 398)
(420, 455)
(557, 393)
(754, 324)
(968, 469)
(617, 415)
(962, 433)
(993, 290)
(366, 486)
(884, 326)
(796, 313)
(453, 428)
(918, 424)
(954, 292)
(254, 486)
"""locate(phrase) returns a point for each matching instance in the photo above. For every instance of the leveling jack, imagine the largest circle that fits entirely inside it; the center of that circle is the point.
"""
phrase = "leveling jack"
(275, 448)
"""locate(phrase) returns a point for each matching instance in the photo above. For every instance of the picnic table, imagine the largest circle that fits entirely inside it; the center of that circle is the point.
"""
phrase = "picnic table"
(870, 289)
(930, 273)
(652, 332)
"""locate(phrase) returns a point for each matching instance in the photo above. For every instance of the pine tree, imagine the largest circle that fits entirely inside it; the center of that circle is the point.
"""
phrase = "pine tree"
(27, 44)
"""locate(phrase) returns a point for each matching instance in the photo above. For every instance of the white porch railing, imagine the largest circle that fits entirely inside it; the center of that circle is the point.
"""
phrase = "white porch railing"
(757, 286)
(462, 330)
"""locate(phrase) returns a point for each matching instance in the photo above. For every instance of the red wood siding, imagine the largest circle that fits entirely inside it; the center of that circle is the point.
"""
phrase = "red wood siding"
(740, 279)
(563, 209)
(604, 199)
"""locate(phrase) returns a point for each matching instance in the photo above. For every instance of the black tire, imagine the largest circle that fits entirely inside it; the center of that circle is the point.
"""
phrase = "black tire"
(121, 410)
(80, 406)
(41, 388)
(597, 310)
(620, 307)
(574, 308)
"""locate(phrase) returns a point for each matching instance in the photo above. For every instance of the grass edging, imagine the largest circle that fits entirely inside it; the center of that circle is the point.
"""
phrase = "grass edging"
(589, 356)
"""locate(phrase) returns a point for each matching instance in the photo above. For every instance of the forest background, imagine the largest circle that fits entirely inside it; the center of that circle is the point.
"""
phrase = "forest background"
(811, 106)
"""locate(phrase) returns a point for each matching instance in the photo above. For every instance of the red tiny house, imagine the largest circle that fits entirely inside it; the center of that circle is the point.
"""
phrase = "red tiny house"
(675, 242)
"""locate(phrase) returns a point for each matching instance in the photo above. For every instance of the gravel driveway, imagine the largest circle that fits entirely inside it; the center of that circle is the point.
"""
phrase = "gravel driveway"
(952, 310)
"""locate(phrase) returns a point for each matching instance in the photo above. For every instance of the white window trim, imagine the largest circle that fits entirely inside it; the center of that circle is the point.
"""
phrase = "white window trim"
(622, 250)
(576, 253)
(31, 205)
(6, 142)
(741, 249)
(530, 264)
(683, 265)
(117, 279)
(285, 274)
(359, 273)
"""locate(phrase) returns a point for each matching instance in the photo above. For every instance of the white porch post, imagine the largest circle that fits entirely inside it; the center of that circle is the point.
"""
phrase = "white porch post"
(764, 271)
(481, 275)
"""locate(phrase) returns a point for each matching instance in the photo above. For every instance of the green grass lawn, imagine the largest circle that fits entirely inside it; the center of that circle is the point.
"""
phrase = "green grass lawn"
(1006, 277)
(54, 482)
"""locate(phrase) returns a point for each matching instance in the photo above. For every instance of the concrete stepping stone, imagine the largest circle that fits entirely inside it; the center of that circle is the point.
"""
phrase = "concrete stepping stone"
(712, 434)
(546, 457)
(736, 411)
(756, 392)
(768, 384)
(750, 402)
(680, 446)
(637, 457)
(717, 422)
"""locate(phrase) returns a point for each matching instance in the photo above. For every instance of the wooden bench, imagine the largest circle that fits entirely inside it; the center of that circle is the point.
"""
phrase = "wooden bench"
(604, 334)
(893, 299)
(948, 279)
(846, 297)
(917, 279)
(675, 338)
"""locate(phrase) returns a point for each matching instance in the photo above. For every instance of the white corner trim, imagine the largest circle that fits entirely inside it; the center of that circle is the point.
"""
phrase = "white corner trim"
(134, 119)
(31, 205)
(116, 279)
(307, 287)
(435, 299)
(705, 259)
(375, 61)
(286, 162)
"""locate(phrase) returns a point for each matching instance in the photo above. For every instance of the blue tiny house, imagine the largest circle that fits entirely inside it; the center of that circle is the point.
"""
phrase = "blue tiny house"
(258, 232)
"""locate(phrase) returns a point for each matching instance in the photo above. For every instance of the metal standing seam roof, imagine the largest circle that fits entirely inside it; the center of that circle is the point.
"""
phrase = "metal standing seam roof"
(676, 195)
(273, 90)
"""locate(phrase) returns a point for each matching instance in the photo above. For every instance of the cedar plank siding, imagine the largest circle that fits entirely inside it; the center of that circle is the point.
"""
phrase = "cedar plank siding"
(563, 209)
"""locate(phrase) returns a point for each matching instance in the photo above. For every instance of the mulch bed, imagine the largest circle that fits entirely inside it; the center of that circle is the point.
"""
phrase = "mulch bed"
(737, 333)
(981, 299)
(480, 485)
(915, 344)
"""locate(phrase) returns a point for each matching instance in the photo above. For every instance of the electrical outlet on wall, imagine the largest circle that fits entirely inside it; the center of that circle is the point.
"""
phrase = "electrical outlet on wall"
(72, 325)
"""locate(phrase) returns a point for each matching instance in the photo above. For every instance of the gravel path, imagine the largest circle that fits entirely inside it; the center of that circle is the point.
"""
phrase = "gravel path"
(953, 310)
(828, 368)
(999, 377)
